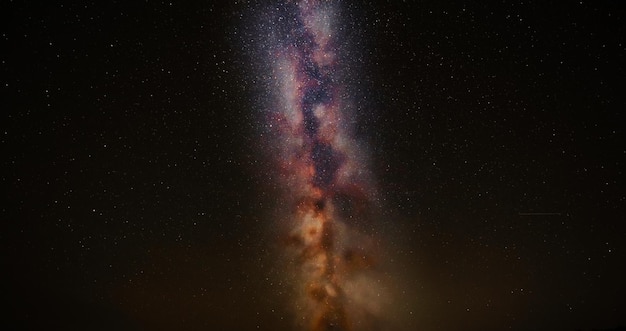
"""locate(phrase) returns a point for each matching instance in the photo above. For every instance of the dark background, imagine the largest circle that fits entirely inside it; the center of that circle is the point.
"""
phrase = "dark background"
(136, 196)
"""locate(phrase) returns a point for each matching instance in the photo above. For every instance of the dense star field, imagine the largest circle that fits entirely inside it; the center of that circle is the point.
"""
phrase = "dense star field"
(328, 196)
(313, 165)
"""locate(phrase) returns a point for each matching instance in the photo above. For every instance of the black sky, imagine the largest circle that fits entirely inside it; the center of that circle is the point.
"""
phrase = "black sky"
(137, 196)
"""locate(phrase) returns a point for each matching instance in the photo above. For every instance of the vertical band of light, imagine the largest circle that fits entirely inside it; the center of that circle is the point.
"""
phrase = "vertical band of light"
(323, 172)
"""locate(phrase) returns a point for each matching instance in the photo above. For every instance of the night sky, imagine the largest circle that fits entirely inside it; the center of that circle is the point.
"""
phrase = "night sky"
(140, 192)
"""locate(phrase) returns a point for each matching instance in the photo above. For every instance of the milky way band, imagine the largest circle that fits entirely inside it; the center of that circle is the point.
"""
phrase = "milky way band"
(323, 172)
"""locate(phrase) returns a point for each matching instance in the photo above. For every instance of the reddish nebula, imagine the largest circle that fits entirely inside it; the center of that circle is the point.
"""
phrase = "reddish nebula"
(324, 173)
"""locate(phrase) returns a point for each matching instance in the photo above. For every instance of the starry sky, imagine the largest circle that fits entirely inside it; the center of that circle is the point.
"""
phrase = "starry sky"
(139, 195)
